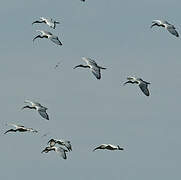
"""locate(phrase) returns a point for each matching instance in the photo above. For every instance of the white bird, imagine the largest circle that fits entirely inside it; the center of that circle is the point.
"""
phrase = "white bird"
(166, 25)
(60, 150)
(67, 144)
(49, 21)
(142, 84)
(37, 106)
(109, 147)
(95, 69)
(49, 35)
(20, 128)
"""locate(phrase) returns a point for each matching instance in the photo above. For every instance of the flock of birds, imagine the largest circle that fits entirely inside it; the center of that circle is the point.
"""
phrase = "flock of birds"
(65, 146)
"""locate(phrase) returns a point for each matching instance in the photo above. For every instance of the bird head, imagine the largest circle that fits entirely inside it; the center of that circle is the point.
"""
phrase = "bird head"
(120, 147)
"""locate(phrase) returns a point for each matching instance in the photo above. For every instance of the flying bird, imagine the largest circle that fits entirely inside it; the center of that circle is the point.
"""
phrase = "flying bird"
(142, 84)
(48, 35)
(166, 25)
(20, 128)
(49, 21)
(67, 144)
(37, 106)
(92, 65)
(58, 150)
(108, 147)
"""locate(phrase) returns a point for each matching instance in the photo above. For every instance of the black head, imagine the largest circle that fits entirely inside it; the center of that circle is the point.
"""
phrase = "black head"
(119, 148)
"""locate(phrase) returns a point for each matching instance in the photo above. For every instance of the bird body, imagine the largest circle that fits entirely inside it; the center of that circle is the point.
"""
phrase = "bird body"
(142, 84)
(59, 150)
(20, 128)
(108, 147)
(67, 144)
(49, 21)
(48, 35)
(37, 106)
(166, 25)
(92, 65)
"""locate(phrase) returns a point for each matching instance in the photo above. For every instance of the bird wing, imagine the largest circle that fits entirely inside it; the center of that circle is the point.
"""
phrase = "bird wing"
(43, 19)
(62, 151)
(157, 21)
(144, 87)
(59, 141)
(33, 103)
(89, 61)
(43, 113)
(111, 147)
(131, 78)
(20, 126)
(16, 126)
(55, 40)
(68, 145)
(173, 31)
(48, 33)
(166, 22)
(96, 71)
(100, 147)
(50, 23)
(36, 104)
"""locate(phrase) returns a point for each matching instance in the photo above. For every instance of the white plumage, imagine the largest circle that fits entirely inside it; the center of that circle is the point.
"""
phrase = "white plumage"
(171, 28)
(108, 147)
(20, 128)
(49, 21)
(67, 144)
(95, 69)
(37, 106)
(48, 35)
(58, 150)
(142, 84)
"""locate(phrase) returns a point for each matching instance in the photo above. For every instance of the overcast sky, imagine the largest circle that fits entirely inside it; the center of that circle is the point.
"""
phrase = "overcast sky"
(82, 109)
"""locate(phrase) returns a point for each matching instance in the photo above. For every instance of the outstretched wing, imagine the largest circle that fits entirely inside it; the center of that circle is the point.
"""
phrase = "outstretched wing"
(43, 113)
(99, 147)
(55, 40)
(144, 87)
(62, 152)
(68, 145)
(33, 103)
(157, 21)
(96, 71)
(16, 126)
(173, 31)
(89, 61)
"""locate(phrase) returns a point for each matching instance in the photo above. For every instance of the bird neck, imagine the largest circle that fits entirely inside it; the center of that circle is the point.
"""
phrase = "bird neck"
(84, 66)
(30, 107)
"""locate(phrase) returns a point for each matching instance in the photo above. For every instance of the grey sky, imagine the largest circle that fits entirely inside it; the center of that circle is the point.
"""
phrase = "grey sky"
(84, 110)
